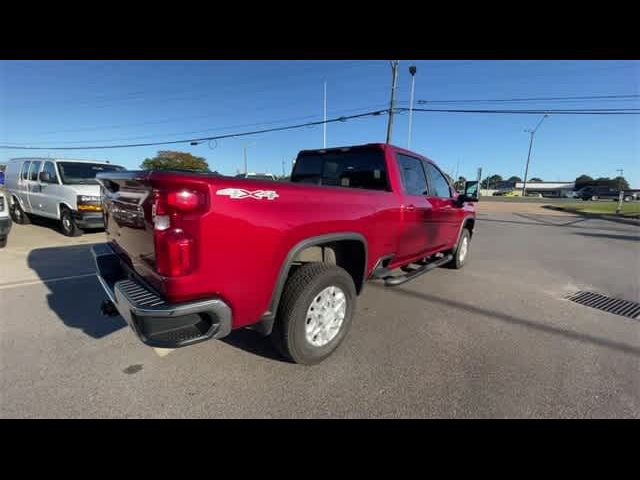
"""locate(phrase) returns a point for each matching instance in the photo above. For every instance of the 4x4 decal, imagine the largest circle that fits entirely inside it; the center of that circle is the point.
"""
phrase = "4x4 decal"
(238, 193)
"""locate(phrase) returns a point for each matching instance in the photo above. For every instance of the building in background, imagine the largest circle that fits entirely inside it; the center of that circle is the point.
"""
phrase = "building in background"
(548, 189)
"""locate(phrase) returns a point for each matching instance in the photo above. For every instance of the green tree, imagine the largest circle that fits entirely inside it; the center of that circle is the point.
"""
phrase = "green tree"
(459, 185)
(492, 182)
(536, 179)
(172, 160)
(621, 183)
(514, 178)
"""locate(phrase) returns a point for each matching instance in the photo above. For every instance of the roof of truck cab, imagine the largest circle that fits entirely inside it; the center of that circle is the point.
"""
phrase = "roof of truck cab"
(382, 146)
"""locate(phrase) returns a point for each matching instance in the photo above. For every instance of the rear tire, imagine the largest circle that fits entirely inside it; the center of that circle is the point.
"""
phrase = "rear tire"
(18, 215)
(315, 313)
(3, 242)
(461, 252)
(68, 225)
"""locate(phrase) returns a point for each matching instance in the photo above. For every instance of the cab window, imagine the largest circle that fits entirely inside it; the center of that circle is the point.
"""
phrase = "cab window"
(25, 170)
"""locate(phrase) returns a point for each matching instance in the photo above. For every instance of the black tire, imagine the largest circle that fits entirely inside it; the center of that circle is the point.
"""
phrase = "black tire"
(18, 215)
(68, 225)
(628, 198)
(3, 242)
(300, 291)
(460, 260)
(594, 197)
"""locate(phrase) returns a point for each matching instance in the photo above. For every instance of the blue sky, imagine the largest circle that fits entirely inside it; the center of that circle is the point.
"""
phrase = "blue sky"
(64, 103)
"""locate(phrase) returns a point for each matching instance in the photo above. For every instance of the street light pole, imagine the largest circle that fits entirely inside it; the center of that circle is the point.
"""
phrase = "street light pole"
(392, 105)
(526, 170)
(324, 125)
(412, 71)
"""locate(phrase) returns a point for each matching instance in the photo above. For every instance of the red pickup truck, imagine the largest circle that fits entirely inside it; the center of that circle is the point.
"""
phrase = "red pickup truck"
(191, 256)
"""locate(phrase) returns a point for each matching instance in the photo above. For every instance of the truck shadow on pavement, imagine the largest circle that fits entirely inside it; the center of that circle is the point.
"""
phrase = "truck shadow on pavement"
(55, 225)
(76, 301)
(572, 335)
(253, 342)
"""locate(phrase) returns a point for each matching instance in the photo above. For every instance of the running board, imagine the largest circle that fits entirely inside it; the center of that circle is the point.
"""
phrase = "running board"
(394, 281)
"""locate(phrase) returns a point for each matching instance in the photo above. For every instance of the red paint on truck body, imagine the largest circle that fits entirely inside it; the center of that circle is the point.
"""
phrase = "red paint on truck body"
(240, 244)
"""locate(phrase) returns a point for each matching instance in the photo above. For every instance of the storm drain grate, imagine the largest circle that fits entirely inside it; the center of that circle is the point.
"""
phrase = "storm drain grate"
(606, 304)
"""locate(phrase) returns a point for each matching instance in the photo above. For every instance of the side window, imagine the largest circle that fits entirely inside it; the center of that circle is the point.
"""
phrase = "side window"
(50, 168)
(25, 170)
(413, 176)
(439, 184)
(33, 171)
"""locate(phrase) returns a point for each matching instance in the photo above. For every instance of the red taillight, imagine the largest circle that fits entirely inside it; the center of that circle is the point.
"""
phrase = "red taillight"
(174, 222)
(174, 253)
(184, 200)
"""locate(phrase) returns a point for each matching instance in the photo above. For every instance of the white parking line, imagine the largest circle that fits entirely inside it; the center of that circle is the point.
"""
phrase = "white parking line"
(48, 280)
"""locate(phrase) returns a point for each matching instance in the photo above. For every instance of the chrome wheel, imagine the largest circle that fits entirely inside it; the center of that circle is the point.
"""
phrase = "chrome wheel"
(464, 248)
(325, 316)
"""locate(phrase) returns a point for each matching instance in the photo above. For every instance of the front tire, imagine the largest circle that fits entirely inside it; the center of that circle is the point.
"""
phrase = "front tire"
(18, 215)
(68, 225)
(461, 252)
(315, 313)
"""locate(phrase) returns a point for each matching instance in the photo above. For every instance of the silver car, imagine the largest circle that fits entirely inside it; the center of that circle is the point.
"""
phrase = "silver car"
(65, 190)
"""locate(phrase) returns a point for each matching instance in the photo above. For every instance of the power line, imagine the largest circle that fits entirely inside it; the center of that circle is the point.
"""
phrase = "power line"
(591, 111)
(208, 130)
(531, 99)
(203, 139)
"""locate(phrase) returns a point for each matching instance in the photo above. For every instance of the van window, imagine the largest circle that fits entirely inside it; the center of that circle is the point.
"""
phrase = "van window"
(25, 170)
(83, 173)
(50, 168)
(33, 171)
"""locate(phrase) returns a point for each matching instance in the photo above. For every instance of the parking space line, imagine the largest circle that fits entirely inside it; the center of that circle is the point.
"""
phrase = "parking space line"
(48, 280)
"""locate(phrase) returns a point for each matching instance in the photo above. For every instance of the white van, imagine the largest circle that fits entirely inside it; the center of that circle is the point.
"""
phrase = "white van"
(65, 190)
(5, 221)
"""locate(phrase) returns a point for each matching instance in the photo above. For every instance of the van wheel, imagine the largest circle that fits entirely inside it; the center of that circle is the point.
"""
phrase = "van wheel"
(461, 252)
(68, 225)
(594, 197)
(18, 215)
(315, 312)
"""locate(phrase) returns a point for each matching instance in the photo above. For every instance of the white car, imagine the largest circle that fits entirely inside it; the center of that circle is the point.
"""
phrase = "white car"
(65, 190)
(5, 221)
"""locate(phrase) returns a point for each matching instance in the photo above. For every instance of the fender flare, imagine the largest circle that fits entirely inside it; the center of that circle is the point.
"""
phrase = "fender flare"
(266, 321)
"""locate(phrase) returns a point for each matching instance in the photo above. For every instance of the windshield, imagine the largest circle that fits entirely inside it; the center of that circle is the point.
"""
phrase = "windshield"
(77, 173)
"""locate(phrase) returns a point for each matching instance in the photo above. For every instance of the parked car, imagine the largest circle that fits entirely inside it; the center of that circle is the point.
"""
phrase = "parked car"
(257, 176)
(601, 192)
(5, 220)
(287, 259)
(65, 190)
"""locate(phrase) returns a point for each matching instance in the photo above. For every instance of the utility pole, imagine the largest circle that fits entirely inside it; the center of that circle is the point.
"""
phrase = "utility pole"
(283, 162)
(620, 192)
(412, 71)
(324, 125)
(392, 104)
(526, 170)
(245, 160)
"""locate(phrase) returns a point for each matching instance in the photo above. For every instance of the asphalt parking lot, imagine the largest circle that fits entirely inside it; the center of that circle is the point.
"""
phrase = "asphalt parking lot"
(496, 339)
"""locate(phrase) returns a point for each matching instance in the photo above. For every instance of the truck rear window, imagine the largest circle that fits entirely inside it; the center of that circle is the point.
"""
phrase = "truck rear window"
(364, 169)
